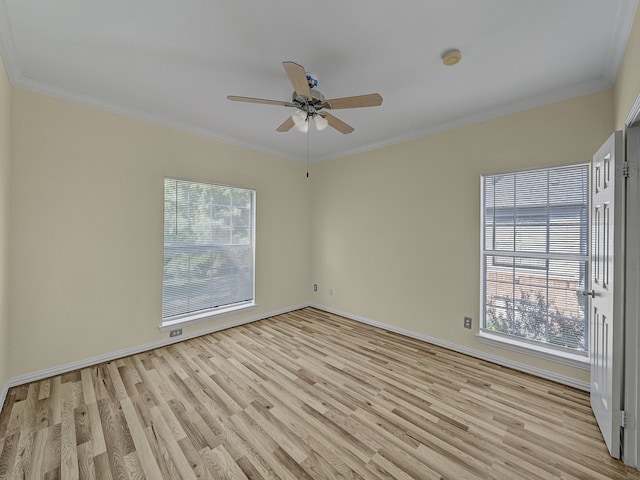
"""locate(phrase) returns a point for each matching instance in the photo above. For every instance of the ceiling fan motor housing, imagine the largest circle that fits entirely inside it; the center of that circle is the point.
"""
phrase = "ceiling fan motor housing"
(308, 105)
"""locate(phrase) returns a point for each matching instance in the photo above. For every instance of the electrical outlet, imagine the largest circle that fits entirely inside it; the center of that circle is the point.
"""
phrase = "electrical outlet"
(315, 287)
(467, 322)
(175, 333)
(330, 291)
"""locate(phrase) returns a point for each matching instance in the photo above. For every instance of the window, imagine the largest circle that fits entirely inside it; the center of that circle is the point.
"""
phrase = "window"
(535, 240)
(209, 259)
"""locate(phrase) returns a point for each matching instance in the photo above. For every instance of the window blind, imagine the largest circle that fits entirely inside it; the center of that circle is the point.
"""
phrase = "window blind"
(535, 235)
(208, 247)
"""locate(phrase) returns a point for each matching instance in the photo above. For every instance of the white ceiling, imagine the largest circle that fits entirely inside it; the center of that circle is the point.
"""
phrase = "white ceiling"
(174, 62)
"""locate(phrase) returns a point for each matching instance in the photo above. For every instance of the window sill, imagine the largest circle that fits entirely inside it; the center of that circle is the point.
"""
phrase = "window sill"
(204, 316)
(565, 358)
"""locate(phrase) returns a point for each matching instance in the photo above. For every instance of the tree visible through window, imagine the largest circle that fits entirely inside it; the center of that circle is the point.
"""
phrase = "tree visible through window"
(535, 236)
(208, 248)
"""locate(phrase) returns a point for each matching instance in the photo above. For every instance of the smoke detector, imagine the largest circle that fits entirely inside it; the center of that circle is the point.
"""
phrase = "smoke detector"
(451, 57)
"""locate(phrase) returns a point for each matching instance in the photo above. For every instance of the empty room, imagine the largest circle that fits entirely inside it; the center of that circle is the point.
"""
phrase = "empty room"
(296, 240)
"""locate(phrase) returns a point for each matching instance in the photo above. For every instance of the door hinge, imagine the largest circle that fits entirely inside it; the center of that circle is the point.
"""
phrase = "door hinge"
(626, 419)
(625, 169)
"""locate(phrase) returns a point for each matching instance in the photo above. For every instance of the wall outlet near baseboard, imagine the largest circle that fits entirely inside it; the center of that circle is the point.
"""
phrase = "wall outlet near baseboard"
(315, 287)
(330, 291)
(175, 333)
(467, 322)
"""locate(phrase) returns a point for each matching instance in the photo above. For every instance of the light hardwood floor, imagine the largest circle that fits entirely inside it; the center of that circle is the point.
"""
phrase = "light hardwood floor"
(305, 395)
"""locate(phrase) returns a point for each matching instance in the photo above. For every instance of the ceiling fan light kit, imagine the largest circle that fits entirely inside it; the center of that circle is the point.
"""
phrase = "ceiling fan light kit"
(300, 121)
(310, 103)
(321, 122)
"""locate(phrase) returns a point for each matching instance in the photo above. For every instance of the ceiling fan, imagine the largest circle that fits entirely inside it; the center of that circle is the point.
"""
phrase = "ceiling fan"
(310, 103)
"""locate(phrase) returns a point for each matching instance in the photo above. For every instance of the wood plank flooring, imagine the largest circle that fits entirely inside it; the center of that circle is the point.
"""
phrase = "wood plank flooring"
(304, 395)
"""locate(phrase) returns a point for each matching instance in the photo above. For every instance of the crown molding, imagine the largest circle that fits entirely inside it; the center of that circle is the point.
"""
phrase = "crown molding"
(7, 47)
(89, 101)
(623, 23)
(490, 114)
(620, 31)
(547, 98)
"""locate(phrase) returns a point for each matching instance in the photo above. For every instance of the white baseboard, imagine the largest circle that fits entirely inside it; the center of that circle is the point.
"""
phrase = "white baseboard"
(563, 379)
(58, 370)
(3, 394)
(68, 367)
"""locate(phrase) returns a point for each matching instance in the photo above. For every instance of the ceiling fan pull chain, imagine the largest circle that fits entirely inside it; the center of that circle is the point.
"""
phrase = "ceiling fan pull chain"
(308, 148)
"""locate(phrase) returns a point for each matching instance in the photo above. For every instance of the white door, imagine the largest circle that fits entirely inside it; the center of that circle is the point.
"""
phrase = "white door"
(631, 448)
(606, 319)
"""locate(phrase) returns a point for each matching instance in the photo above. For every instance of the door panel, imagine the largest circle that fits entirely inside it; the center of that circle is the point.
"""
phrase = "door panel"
(606, 319)
(631, 448)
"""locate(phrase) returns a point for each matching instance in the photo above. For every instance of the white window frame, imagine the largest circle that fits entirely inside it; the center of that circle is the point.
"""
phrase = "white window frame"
(204, 314)
(577, 359)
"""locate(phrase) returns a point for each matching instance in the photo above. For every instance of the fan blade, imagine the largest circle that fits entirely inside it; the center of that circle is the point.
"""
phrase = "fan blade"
(298, 78)
(286, 125)
(371, 100)
(260, 100)
(337, 123)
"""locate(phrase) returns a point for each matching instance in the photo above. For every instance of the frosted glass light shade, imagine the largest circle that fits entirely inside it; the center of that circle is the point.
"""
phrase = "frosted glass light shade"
(300, 120)
(321, 122)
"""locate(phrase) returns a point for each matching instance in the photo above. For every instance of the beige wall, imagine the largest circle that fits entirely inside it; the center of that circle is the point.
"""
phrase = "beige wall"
(86, 231)
(5, 131)
(395, 231)
(627, 86)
